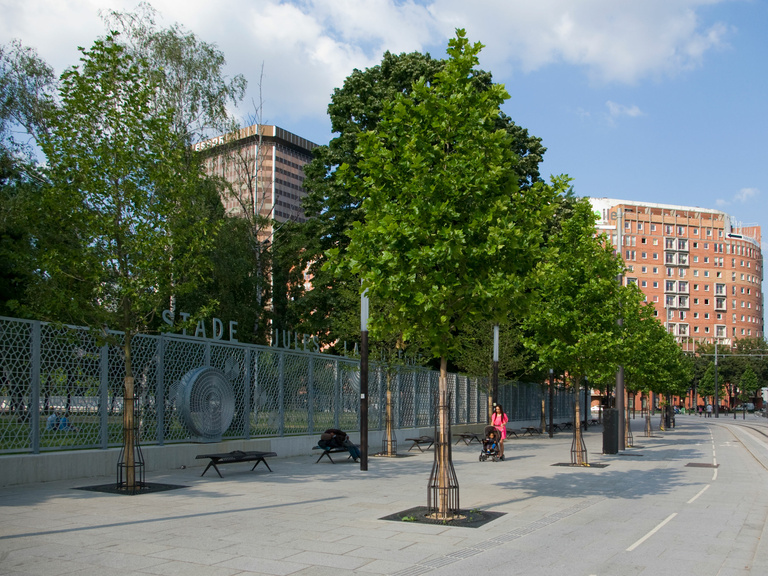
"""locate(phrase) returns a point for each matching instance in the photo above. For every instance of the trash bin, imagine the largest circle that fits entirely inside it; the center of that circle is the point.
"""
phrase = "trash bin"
(610, 431)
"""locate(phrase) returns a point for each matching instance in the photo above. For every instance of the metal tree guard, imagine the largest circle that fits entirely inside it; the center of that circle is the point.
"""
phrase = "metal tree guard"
(448, 493)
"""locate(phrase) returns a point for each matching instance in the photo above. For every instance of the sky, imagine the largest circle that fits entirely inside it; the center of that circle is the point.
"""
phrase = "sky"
(651, 100)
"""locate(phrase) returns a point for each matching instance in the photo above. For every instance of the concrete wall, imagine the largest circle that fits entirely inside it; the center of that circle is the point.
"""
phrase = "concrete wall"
(50, 466)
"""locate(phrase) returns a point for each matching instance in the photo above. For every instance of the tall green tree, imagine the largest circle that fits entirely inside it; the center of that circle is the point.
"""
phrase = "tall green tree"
(574, 328)
(355, 108)
(191, 84)
(447, 235)
(120, 182)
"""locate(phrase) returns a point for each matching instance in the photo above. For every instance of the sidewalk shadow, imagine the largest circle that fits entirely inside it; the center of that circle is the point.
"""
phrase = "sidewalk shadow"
(627, 485)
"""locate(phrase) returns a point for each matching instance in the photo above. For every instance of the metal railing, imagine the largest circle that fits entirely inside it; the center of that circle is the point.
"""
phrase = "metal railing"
(60, 389)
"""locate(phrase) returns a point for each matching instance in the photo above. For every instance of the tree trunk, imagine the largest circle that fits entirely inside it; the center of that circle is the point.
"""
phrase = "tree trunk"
(443, 458)
(129, 440)
(579, 456)
(389, 432)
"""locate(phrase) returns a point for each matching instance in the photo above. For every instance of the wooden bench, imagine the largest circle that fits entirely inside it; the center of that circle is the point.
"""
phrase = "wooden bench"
(530, 430)
(417, 442)
(328, 451)
(469, 437)
(511, 433)
(235, 456)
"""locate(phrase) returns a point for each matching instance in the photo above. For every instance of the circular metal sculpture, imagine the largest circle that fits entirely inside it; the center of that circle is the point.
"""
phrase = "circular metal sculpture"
(206, 403)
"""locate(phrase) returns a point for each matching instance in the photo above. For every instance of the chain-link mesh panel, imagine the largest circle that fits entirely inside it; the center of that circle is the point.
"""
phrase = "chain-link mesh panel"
(15, 385)
(231, 361)
(267, 405)
(62, 388)
(323, 393)
(296, 396)
(69, 375)
(179, 357)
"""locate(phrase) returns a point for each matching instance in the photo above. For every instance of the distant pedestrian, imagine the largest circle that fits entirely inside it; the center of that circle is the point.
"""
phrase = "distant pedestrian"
(709, 410)
(499, 420)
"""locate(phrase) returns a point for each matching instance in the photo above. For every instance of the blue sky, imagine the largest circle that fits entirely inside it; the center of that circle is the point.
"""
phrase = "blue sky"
(653, 100)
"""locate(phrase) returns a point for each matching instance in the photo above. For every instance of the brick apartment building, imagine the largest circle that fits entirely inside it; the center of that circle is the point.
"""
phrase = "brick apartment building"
(702, 270)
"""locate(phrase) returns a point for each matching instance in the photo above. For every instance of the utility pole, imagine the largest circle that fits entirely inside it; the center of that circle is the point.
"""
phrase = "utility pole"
(717, 412)
(620, 373)
(364, 381)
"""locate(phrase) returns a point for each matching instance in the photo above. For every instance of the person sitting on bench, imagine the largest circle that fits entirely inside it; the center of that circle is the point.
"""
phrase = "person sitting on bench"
(335, 438)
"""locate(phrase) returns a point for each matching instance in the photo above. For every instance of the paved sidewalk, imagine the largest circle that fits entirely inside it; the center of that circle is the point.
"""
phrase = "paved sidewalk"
(648, 512)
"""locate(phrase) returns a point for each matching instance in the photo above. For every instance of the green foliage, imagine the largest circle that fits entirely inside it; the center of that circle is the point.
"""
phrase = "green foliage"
(707, 383)
(748, 385)
(574, 327)
(115, 233)
(190, 80)
(330, 308)
(652, 359)
(447, 235)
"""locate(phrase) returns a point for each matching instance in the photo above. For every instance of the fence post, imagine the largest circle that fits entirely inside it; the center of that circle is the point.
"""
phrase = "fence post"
(336, 394)
(160, 390)
(104, 396)
(311, 396)
(247, 398)
(33, 408)
(396, 400)
(281, 393)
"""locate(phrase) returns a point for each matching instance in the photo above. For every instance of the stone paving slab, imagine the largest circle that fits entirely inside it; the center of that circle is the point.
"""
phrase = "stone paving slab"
(314, 520)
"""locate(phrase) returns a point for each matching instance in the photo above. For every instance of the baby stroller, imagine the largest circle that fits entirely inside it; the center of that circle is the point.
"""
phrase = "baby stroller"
(490, 444)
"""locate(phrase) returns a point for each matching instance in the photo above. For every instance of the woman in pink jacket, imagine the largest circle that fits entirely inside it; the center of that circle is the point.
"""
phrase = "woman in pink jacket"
(499, 420)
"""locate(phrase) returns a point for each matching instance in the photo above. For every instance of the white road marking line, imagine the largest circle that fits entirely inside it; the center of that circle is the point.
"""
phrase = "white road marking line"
(652, 532)
(699, 494)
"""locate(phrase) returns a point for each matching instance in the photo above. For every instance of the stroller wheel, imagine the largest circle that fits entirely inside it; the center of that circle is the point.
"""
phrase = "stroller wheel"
(482, 457)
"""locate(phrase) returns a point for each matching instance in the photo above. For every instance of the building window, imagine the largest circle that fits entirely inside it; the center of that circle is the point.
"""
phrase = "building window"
(696, 231)
(644, 284)
(706, 273)
(644, 269)
(696, 273)
(653, 227)
(655, 284)
(655, 255)
(644, 255)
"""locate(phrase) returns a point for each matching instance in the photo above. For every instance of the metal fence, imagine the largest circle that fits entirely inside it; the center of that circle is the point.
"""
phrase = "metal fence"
(60, 389)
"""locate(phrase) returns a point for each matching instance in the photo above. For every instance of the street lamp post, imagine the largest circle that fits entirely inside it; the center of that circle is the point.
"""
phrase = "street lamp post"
(717, 412)
(551, 402)
(364, 381)
(495, 379)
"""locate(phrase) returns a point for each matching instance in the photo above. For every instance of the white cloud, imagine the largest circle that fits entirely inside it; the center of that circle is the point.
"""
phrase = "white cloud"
(615, 41)
(616, 110)
(308, 47)
(743, 196)
(746, 194)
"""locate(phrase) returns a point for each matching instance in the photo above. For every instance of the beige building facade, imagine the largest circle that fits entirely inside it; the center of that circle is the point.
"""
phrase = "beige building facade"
(264, 166)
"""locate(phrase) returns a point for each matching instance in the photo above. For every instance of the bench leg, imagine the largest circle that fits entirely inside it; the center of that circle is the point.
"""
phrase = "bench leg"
(257, 463)
(325, 453)
(212, 463)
